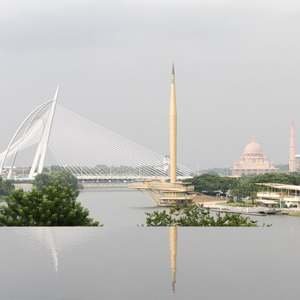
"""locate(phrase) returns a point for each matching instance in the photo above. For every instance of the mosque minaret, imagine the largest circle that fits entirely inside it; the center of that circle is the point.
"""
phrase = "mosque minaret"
(292, 162)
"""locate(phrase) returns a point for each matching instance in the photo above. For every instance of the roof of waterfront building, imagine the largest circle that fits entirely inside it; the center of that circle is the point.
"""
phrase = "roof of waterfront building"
(267, 201)
(281, 186)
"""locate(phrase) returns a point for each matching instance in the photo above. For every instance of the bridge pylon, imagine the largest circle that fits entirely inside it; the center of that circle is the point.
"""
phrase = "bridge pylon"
(36, 124)
(40, 154)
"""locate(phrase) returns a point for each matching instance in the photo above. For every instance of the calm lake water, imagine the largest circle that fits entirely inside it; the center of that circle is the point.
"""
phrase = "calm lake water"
(124, 261)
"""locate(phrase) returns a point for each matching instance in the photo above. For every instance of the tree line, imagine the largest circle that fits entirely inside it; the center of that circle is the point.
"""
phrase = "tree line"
(53, 201)
(238, 188)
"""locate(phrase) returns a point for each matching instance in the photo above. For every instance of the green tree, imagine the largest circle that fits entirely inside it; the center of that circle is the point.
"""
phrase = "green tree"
(6, 187)
(53, 206)
(212, 184)
(272, 178)
(243, 189)
(196, 215)
(205, 183)
(226, 183)
(63, 178)
(42, 179)
(56, 168)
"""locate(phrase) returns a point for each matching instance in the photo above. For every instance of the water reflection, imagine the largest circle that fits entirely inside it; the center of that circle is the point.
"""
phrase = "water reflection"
(173, 248)
(293, 231)
(46, 238)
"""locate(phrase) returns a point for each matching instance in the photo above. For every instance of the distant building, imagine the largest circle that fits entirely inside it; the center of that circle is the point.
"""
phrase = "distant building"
(253, 161)
(280, 195)
(166, 164)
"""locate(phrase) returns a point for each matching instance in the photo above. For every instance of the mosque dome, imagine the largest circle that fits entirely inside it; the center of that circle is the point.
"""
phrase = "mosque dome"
(253, 161)
(253, 148)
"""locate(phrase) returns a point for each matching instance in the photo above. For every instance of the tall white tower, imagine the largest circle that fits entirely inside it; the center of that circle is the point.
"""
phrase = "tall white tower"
(173, 130)
(43, 144)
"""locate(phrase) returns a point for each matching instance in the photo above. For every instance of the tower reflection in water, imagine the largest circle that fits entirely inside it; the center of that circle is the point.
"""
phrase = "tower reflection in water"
(173, 248)
(46, 239)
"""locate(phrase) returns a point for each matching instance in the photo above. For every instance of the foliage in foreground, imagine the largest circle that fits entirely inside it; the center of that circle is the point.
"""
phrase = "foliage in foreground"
(53, 206)
(196, 215)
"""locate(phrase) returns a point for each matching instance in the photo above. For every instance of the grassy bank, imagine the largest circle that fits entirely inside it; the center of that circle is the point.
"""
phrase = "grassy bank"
(295, 214)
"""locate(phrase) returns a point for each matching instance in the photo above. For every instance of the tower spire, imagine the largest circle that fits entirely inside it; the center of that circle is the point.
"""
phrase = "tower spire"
(292, 162)
(173, 130)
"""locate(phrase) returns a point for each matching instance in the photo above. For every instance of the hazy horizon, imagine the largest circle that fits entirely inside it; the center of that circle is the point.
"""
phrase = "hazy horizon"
(235, 66)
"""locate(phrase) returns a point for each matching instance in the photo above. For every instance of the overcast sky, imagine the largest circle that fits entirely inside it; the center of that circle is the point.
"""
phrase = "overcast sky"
(237, 66)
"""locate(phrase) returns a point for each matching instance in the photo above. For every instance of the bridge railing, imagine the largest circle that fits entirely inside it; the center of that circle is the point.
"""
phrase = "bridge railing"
(122, 176)
(162, 185)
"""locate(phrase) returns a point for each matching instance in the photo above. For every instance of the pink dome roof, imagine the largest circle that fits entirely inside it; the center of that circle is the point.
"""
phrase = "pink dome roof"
(253, 147)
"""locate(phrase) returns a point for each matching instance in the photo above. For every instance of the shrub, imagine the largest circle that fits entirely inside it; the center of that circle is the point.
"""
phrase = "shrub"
(53, 206)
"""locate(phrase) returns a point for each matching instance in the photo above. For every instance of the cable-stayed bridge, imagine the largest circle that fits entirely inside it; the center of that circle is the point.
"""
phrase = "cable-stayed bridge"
(80, 146)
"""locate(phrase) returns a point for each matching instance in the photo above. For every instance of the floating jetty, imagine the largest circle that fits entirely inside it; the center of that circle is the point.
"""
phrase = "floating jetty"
(256, 211)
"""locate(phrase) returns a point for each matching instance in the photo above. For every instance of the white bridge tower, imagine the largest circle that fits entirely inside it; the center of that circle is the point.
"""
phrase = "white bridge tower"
(43, 125)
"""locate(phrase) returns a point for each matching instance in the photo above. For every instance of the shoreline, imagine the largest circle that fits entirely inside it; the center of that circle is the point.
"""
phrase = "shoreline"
(256, 211)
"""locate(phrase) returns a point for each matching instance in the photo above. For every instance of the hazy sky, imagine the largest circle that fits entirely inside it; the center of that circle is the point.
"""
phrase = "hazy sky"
(237, 67)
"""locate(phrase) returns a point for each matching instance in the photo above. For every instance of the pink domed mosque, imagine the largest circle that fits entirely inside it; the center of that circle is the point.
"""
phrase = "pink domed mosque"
(253, 161)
